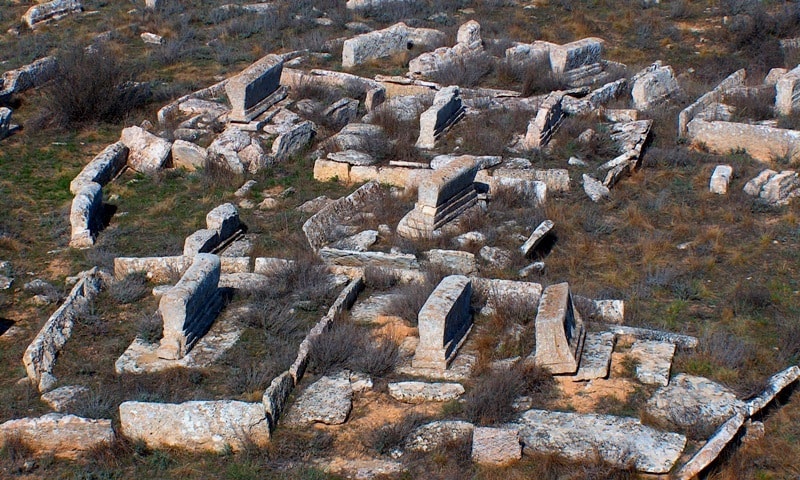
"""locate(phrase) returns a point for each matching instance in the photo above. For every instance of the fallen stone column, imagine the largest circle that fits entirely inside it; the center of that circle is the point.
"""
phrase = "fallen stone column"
(40, 356)
(681, 341)
(444, 322)
(775, 385)
(86, 215)
(712, 448)
(189, 308)
(103, 168)
(196, 426)
(559, 331)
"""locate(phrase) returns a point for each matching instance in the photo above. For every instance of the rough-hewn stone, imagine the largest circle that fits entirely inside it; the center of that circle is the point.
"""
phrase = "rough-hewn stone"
(446, 110)
(433, 435)
(762, 142)
(52, 10)
(325, 226)
(787, 89)
(86, 215)
(388, 42)
(188, 155)
(251, 91)
(328, 401)
(542, 127)
(576, 54)
(444, 322)
(536, 237)
(596, 356)
(653, 85)
(654, 361)
(720, 179)
(64, 436)
(147, 152)
(64, 398)
(495, 446)
(418, 392)
(103, 168)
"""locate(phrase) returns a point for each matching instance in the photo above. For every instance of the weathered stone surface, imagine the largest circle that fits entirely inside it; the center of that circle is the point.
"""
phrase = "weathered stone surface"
(525, 56)
(556, 179)
(499, 292)
(328, 401)
(760, 141)
(775, 385)
(495, 446)
(483, 161)
(250, 91)
(465, 52)
(5, 121)
(595, 189)
(196, 426)
(444, 322)
(243, 281)
(736, 79)
(773, 187)
(152, 38)
(64, 436)
(712, 448)
(86, 215)
(653, 85)
(189, 308)
(454, 262)
(292, 141)
(325, 226)
(418, 392)
(432, 435)
(559, 331)
(536, 237)
(276, 396)
(787, 89)
(353, 157)
(331, 171)
(103, 168)
(227, 147)
(359, 242)
(681, 341)
(342, 112)
(62, 399)
(201, 241)
(542, 127)
(188, 155)
(224, 219)
(147, 152)
(720, 179)
(446, 110)
(525, 185)
(496, 257)
(350, 258)
(576, 54)
(52, 10)
(609, 311)
(596, 356)
(617, 440)
(390, 41)
(655, 361)
(697, 403)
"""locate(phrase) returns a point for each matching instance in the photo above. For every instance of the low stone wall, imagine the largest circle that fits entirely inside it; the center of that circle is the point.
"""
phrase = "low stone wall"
(167, 269)
(103, 168)
(444, 322)
(40, 356)
(63, 436)
(321, 229)
(86, 215)
(761, 142)
(736, 79)
(371, 91)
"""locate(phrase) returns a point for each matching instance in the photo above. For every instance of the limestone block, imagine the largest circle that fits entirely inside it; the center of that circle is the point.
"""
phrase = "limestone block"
(350, 258)
(189, 308)
(655, 361)
(197, 425)
(359, 242)
(188, 155)
(293, 141)
(654, 85)
(329, 170)
(362, 174)
(276, 396)
(596, 356)
(495, 446)
(328, 401)
(64, 436)
(158, 269)
(390, 41)
(681, 341)
(64, 398)
(147, 152)
(595, 189)
(201, 241)
(5, 122)
(720, 179)
(542, 127)
(576, 54)
(499, 292)
(103, 168)
(249, 91)
(559, 331)
(342, 112)
(736, 79)
(754, 186)
(712, 448)
(453, 261)
(228, 144)
(324, 227)
(433, 435)
(85, 215)
(536, 237)
(444, 322)
(556, 179)
(617, 440)
(51, 11)
(418, 392)
(775, 385)
(446, 110)
(762, 142)
(787, 89)
(691, 402)
(447, 182)
(152, 38)
(524, 56)
(224, 219)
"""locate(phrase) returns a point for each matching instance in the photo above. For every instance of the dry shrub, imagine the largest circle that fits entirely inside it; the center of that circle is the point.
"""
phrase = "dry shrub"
(351, 346)
(750, 298)
(465, 72)
(410, 297)
(216, 173)
(90, 86)
(298, 446)
(15, 450)
(129, 289)
(540, 79)
(379, 278)
(392, 436)
(490, 400)
(402, 135)
(150, 328)
(752, 106)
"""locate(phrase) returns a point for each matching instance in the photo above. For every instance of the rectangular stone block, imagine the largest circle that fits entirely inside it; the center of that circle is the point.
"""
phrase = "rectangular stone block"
(787, 89)
(224, 219)
(536, 237)
(576, 54)
(201, 241)
(559, 331)
(447, 182)
(444, 322)
(545, 124)
(720, 179)
(85, 216)
(655, 361)
(248, 90)
(596, 356)
(189, 308)
(103, 168)
(446, 110)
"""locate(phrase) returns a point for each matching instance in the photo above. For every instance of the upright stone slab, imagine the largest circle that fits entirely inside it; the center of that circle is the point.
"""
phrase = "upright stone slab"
(189, 308)
(559, 331)
(653, 85)
(224, 219)
(720, 179)
(250, 91)
(85, 216)
(787, 89)
(5, 122)
(444, 322)
(546, 122)
(576, 54)
(446, 110)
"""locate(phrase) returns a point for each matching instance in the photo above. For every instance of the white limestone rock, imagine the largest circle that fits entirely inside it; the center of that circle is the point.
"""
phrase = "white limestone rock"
(418, 392)
(720, 179)
(496, 446)
(328, 401)
(654, 361)
(147, 152)
(65, 436)
(432, 435)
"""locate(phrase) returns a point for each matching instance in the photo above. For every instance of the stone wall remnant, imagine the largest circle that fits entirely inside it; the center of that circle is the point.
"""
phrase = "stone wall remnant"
(254, 89)
(57, 434)
(86, 215)
(103, 168)
(444, 322)
(447, 109)
(542, 127)
(390, 41)
(52, 10)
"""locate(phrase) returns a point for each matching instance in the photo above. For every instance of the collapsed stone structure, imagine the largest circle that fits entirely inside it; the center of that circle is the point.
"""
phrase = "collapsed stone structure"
(394, 40)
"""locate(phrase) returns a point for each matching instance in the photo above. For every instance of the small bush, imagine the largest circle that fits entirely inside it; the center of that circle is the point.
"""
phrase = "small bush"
(465, 71)
(490, 401)
(539, 79)
(150, 328)
(129, 289)
(350, 346)
(90, 86)
(379, 278)
(751, 298)
(409, 300)
(755, 107)
(216, 173)
(392, 436)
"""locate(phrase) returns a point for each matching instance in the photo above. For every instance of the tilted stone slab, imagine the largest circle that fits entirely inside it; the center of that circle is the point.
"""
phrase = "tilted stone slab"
(691, 402)
(40, 356)
(190, 307)
(736, 79)
(596, 356)
(787, 89)
(775, 385)
(248, 90)
(64, 436)
(86, 215)
(547, 120)
(536, 237)
(224, 219)
(712, 448)
(103, 168)
(195, 426)
(681, 341)
(444, 322)
(576, 54)
(495, 446)
(418, 392)
(51, 11)
(147, 152)
(65, 398)
(655, 361)
(293, 141)
(617, 440)
(446, 110)
(328, 401)
(559, 331)
(760, 141)
(323, 227)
